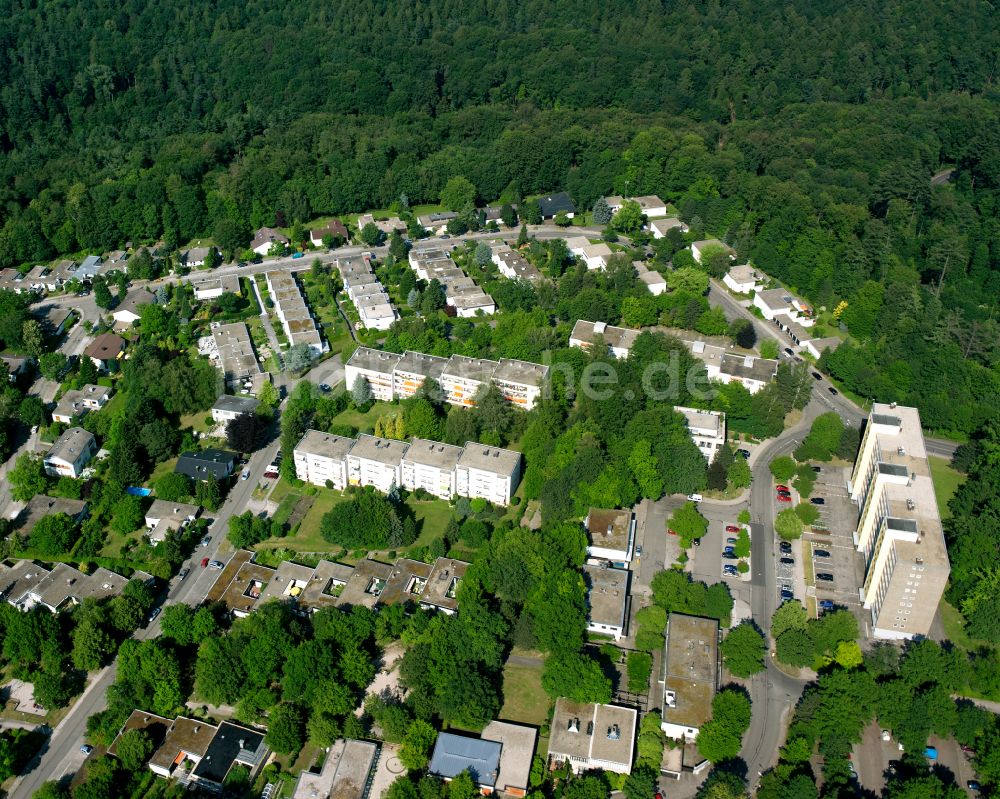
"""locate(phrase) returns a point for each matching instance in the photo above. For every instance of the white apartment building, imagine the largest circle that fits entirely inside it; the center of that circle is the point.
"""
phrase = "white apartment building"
(376, 367)
(520, 382)
(321, 459)
(607, 600)
(590, 736)
(376, 462)
(488, 473)
(899, 530)
(462, 377)
(412, 369)
(228, 407)
(293, 312)
(70, 453)
(707, 429)
(431, 465)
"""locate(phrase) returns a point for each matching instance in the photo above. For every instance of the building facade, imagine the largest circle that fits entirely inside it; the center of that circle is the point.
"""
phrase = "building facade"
(707, 429)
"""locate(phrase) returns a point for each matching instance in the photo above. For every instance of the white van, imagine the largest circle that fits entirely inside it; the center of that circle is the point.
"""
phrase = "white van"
(694, 497)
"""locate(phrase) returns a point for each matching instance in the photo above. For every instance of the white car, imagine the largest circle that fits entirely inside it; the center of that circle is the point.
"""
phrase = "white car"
(245, 475)
(694, 497)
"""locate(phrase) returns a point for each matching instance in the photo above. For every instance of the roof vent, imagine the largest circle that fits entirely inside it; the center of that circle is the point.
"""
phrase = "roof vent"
(748, 361)
(670, 699)
(574, 725)
(590, 728)
(910, 504)
(614, 733)
(900, 450)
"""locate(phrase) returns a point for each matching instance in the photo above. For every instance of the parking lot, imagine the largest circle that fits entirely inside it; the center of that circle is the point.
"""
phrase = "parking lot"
(874, 757)
(834, 534)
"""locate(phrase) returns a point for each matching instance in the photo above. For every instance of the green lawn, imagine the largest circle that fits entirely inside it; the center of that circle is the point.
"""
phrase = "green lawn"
(433, 514)
(946, 482)
(308, 538)
(524, 699)
(365, 422)
(954, 627)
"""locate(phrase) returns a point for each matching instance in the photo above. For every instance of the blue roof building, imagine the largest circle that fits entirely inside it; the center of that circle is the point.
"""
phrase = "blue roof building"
(454, 754)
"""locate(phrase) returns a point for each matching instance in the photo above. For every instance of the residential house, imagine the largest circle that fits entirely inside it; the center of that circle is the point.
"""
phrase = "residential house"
(651, 205)
(366, 583)
(387, 226)
(65, 271)
(754, 373)
(899, 531)
(652, 280)
(163, 516)
(77, 403)
(610, 536)
(199, 465)
(661, 227)
(462, 378)
(376, 462)
(431, 465)
(607, 600)
(42, 505)
(591, 736)
(454, 754)
(512, 264)
(215, 287)
(817, 346)
(376, 312)
(699, 248)
(235, 352)
(619, 340)
(198, 256)
(412, 369)
(105, 350)
(53, 318)
(232, 744)
(265, 238)
(292, 310)
(287, 584)
(374, 366)
(70, 453)
(436, 222)
(126, 313)
(228, 407)
(40, 278)
(321, 459)
(595, 256)
(155, 727)
(421, 260)
(89, 267)
(520, 382)
(17, 365)
(346, 772)
(707, 429)
(782, 307)
(471, 302)
(183, 747)
(117, 257)
(690, 674)
(744, 279)
(441, 590)
(26, 584)
(488, 473)
(334, 229)
(551, 205)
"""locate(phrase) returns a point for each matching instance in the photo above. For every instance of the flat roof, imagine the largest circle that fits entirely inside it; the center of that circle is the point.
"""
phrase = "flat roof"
(155, 726)
(325, 445)
(465, 368)
(231, 743)
(748, 367)
(406, 582)
(167, 509)
(518, 750)
(499, 461)
(609, 528)
(366, 583)
(521, 372)
(344, 774)
(326, 584)
(230, 404)
(443, 582)
(373, 360)
(691, 669)
(607, 594)
(421, 364)
(388, 451)
(616, 337)
(711, 421)
(188, 736)
(288, 582)
(611, 731)
(744, 273)
(433, 453)
(776, 298)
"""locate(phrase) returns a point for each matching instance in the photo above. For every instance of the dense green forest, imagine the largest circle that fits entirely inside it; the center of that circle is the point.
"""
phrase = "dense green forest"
(806, 135)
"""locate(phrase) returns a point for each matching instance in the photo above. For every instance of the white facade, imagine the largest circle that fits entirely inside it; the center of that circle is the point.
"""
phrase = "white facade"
(595, 256)
(376, 462)
(743, 279)
(707, 429)
(321, 458)
(463, 377)
(660, 227)
(70, 453)
(430, 465)
(374, 366)
(699, 248)
(488, 473)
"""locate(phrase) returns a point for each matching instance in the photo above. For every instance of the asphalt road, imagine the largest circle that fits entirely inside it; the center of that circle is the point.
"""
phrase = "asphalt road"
(61, 754)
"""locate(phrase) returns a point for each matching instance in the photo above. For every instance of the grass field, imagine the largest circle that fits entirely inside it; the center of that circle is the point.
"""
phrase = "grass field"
(365, 422)
(954, 627)
(946, 482)
(524, 699)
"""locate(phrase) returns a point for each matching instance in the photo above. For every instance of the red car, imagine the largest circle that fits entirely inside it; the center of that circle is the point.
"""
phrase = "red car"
(204, 562)
(732, 528)
(671, 532)
(784, 498)
(780, 487)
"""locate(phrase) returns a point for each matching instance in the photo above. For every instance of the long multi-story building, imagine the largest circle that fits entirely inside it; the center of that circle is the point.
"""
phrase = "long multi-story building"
(899, 531)
(393, 376)
(473, 471)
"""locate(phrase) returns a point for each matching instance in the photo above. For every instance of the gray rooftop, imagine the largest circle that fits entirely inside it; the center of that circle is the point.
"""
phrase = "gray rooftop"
(692, 665)
(607, 594)
(419, 363)
(465, 368)
(748, 367)
(433, 453)
(611, 731)
(373, 360)
(325, 445)
(71, 443)
(489, 459)
(522, 372)
(230, 404)
(454, 754)
(383, 450)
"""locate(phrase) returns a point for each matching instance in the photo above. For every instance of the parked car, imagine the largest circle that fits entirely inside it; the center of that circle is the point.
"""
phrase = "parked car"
(728, 549)
(206, 540)
(183, 573)
(931, 753)
(833, 391)
(826, 577)
(732, 528)
(818, 501)
(817, 469)
(788, 352)
(216, 564)
(697, 542)
(730, 570)
(154, 613)
(826, 604)
(730, 555)
(785, 546)
(325, 387)
(730, 540)
(787, 561)
(245, 475)
(973, 785)
(638, 550)
(671, 532)
(298, 255)
(204, 562)
(86, 749)
(744, 452)
(786, 593)
(820, 553)
(694, 497)
(784, 498)
(780, 487)
(817, 376)
(784, 493)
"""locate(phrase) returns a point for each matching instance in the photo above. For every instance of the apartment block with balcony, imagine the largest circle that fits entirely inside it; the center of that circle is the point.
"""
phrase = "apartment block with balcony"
(376, 462)
(431, 465)
(321, 458)
(899, 530)
(707, 429)
(520, 382)
(488, 473)
(413, 369)
(463, 377)
(376, 367)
